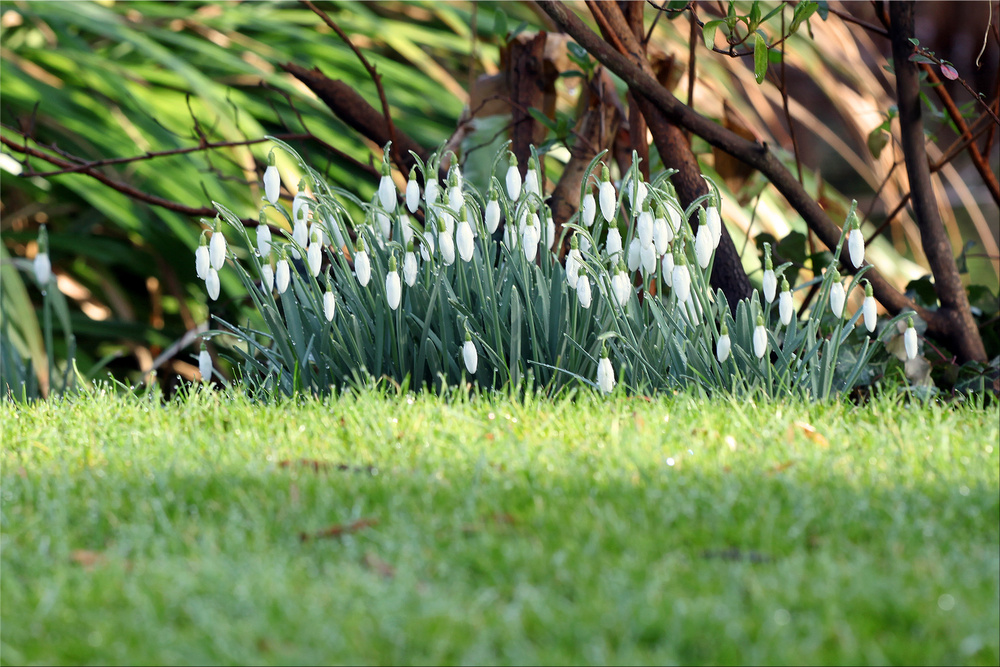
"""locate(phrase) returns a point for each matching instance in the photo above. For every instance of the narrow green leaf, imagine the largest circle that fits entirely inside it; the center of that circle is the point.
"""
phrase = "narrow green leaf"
(759, 58)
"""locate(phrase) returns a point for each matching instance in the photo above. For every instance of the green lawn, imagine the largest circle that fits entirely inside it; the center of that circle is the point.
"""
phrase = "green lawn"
(483, 531)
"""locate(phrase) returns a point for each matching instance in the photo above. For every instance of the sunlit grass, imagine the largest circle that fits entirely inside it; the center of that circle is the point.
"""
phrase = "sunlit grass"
(676, 530)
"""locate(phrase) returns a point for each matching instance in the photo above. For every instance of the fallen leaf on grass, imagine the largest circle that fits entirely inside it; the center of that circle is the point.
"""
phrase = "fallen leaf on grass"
(377, 565)
(781, 467)
(339, 530)
(807, 430)
(87, 559)
(317, 465)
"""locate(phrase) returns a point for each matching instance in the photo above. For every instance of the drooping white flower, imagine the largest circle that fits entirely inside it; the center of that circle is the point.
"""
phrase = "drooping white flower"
(785, 309)
(205, 364)
(455, 198)
(329, 305)
(724, 345)
(633, 254)
(406, 226)
(263, 239)
(427, 247)
(212, 283)
(856, 247)
(620, 286)
(636, 194)
(759, 338)
(217, 250)
(300, 206)
(266, 277)
(272, 184)
(644, 227)
(662, 236)
(202, 262)
(412, 192)
(464, 241)
(583, 290)
(673, 220)
(513, 180)
(589, 208)
(431, 192)
(770, 281)
(550, 229)
(530, 236)
(362, 265)
(334, 230)
(910, 339)
(314, 257)
(448, 219)
(42, 266)
(714, 221)
(387, 190)
(703, 245)
(531, 178)
(470, 355)
(668, 267)
(681, 281)
(584, 244)
(647, 257)
(613, 244)
(282, 275)
(868, 308)
(393, 288)
(837, 295)
(492, 215)
(605, 373)
(607, 196)
(446, 244)
(573, 261)
(300, 234)
(410, 266)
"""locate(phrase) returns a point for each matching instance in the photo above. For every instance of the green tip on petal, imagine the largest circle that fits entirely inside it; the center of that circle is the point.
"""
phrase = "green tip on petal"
(270, 158)
(409, 246)
(909, 322)
(725, 329)
(835, 274)
(203, 347)
(604, 350)
(784, 285)
(868, 288)
(361, 244)
(513, 159)
(760, 320)
(605, 172)
(531, 162)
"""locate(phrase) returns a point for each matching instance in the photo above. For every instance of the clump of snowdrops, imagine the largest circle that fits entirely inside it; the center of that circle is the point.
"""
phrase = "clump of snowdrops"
(441, 283)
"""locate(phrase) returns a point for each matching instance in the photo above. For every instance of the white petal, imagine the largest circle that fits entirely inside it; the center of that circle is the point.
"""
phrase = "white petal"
(329, 305)
(647, 257)
(202, 262)
(910, 342)
(387, 193)
(43, 267)
(589, 209)
(715, 224)
(668, 269)
(492, 215)
(470, 356)
(583, 291)
(412, 196)
(431, 191)
(447, 246)
(267, 278)
(572, 268)
(785, 309)
(759, 341)
(682, 282)
(283, 276)
(272, 184)
(315, 258)
(613, 244)
(393, 290)
(217, 250)
(723, 348)
(263, 240)
(464, 241)
(455, 198)
(205, 365)
(605, 375)
(837, 297)
(770, 285)
(212, 284)
(661, 235)
(870, 312)
(633, 255)
(513, 183)
(363, 268)
(531, 182)
(703, 246)
(856, 247)
(608, 200)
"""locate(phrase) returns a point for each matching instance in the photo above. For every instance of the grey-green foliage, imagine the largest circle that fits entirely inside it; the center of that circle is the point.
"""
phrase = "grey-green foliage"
(522, 315)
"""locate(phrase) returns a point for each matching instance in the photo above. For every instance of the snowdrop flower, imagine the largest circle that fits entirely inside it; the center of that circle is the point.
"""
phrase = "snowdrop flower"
(637, 192)
(362, 264)
(464, 238)
(393, 288)
(217, 250)
(205, 364)
(673, 221)
(410, 265)
(589, 207)
(300, 234)
(431, 191)
(633, 254)
(584, 243)
(868, 308)
(202, 262)
(837, 295)
(759, 338)
(469, 354)
(583, 289)
(613, 244)
(492, 213)
(681, 281)
(770, 282)
(384, 223)
(644, 227)
(724, 345)
(531, 178)
(455, 198)
(550, 229)
(715, 224)
(314, 256)
(647, 257)
(282, 275)
(212, 283)
(406, 226)
(412, 191)
(446, 244)
(703, 245)
(263, 239)
(387, 189)
(329, 302)
(573, 262)
(607, 195)
(42, 266)
(334, 230)
(266, 277)
(448, 219)
(785, 309)
(621, 286)
(530, 236)
(300, 205)
(272, 181)
(856, 243)
(513, 180)
(662, 235)
(668, 267)
(910, 339)
(427, 247)
(605, 373)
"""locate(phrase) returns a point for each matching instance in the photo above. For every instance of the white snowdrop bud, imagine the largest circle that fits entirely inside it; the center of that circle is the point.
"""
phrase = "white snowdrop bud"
(384, 223)
(531, 178)
(431, 192)
(300, 234)
(42, 266)
(724, 345)
(212, 283)
(633, 254)
(446, 244)
(910, 339)
(573, 261)
(202, 262)
(856, 247)
(668, 267)
(530, 237)
(283, 275)
(759, 338)
(513, 180)
(393, 288)
(492, 215)
(673, 221)
(644, 226)
(455, 198)
(714, 221)
(314, 257)
(605, 373)
(263, 239)
(205, 364)
(620, 286)
(412, 192)
(785, 309)
(387, 190)
(550, 230)
(584, 244)
(837, 295)
(703, 246)
(272, 184)
(613, 244)
(464, 241)
(362, 265)
(449, 222)
(217, 250)
(427, 247)
(770, 282)
(470, 355)
(636, 194)
(607, 196)
(662, 236)
(589, 208)
(329, 305)
(583, 290)
(300, 206)
(868, 308)
(647, 256)
(681, 281)
(410, 266)
(266, 277)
